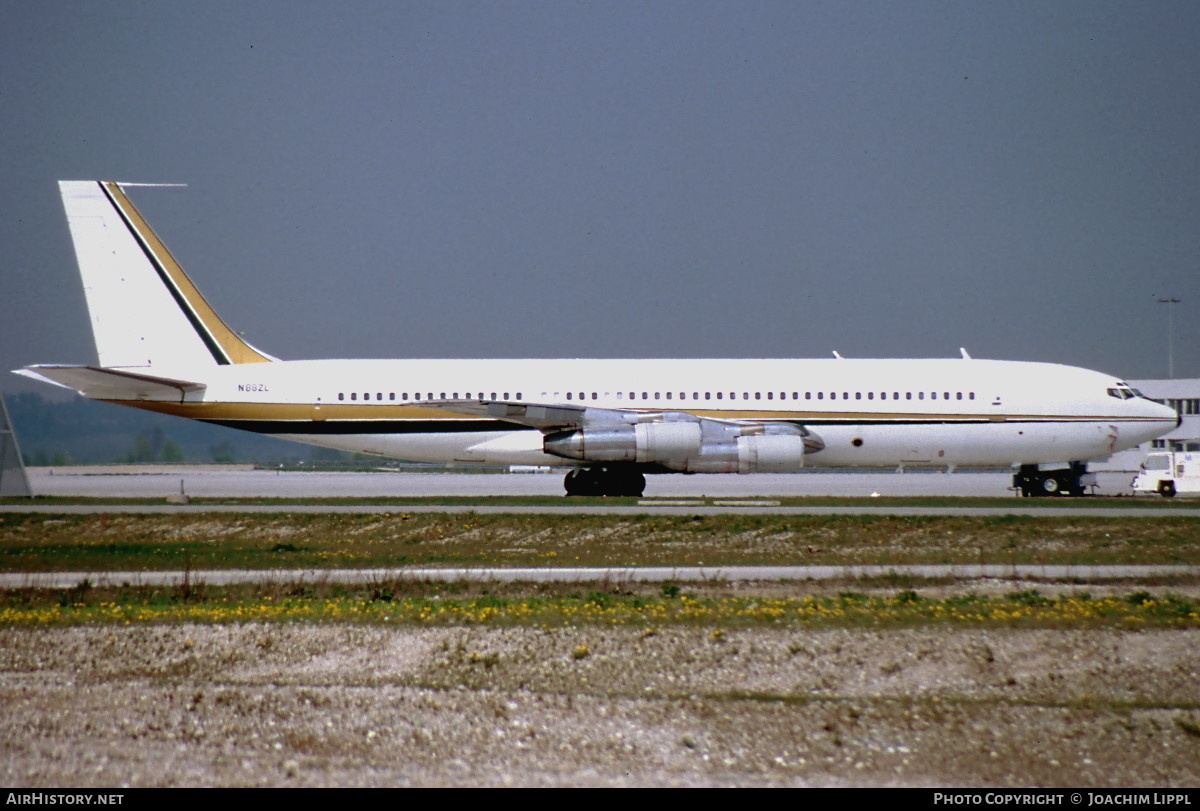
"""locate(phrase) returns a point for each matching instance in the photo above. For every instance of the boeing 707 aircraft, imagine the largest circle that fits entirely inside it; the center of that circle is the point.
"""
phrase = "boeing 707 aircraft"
(161, 347)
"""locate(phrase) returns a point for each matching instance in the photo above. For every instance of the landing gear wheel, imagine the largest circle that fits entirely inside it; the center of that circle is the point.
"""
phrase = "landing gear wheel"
(626, 483)
(1166, 489)
(1051, 486)
(604, 481)
(577, 484)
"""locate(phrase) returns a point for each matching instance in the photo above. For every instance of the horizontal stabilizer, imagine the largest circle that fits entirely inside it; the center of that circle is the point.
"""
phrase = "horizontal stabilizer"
(97, 383)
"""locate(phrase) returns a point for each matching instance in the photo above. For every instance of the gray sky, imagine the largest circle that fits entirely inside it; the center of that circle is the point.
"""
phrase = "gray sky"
(608, 179)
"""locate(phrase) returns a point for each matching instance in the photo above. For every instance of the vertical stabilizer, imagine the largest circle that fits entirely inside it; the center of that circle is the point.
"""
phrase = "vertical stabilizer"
(145, 311)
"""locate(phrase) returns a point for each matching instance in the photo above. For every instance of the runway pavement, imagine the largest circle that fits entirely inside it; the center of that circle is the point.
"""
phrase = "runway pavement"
(1022, 507)
(665, 494)
(119, 481)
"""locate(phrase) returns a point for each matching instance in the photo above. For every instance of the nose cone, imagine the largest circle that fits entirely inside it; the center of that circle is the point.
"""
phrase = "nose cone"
(1165, 418)
(1151, 420)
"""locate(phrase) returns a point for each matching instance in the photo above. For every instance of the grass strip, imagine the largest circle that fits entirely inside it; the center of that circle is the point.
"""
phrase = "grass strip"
(165, 542)
(389, 604)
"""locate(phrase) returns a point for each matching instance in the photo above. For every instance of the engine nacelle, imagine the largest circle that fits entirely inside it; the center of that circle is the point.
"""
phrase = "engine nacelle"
(649, 442)
(770, 454)
(687, 443)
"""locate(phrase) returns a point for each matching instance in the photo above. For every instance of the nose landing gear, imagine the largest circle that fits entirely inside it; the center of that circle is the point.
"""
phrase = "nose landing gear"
(1071, 481)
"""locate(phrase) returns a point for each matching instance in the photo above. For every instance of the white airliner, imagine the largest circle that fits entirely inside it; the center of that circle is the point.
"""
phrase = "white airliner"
(162, 347)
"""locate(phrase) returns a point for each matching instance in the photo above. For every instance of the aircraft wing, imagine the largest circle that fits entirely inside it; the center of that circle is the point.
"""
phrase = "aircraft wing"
(676, 440)
(543, 417)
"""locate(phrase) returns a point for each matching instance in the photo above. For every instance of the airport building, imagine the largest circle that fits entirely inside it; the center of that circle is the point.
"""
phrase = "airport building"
(1182, 394)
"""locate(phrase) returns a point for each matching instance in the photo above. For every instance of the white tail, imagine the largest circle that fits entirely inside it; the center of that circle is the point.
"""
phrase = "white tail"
(145, 311)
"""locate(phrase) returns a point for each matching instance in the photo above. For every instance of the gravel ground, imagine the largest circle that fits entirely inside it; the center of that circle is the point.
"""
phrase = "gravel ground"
(348, 705)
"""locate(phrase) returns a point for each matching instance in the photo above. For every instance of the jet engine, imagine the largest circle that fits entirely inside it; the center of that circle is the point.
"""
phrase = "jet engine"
(687, 443)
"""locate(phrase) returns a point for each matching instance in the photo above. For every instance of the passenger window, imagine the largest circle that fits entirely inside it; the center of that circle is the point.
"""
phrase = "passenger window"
(870, 395)
(708, 395)
(820, 395)
(341, 395)
(858, 395)
(505, 395)
(719, 395)
(920, 395)
(568, 395)
(353, 395)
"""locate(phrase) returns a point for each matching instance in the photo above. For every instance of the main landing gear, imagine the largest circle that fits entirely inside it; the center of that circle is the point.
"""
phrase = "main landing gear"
(605, 480)
(1070, 481)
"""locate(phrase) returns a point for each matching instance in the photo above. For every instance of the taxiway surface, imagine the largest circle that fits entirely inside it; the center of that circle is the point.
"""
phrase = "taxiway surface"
(152, 481)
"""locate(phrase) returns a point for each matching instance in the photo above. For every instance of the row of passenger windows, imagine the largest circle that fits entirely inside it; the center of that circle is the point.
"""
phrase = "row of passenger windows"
(366, 395)
(683, 395)
(770, 395)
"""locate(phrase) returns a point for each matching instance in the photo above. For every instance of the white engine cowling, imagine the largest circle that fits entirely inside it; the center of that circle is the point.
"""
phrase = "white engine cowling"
(770, 454)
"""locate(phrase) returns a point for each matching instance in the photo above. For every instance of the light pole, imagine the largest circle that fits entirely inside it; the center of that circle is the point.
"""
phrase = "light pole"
(1170, 302)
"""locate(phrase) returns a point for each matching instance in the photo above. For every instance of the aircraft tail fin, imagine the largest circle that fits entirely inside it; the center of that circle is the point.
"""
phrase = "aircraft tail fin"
(145, 311)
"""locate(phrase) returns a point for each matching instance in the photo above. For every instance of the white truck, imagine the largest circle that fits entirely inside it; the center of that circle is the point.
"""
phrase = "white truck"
(1168, 474)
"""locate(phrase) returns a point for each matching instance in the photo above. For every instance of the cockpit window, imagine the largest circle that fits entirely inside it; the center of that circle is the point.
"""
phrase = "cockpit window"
(1123, 392)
